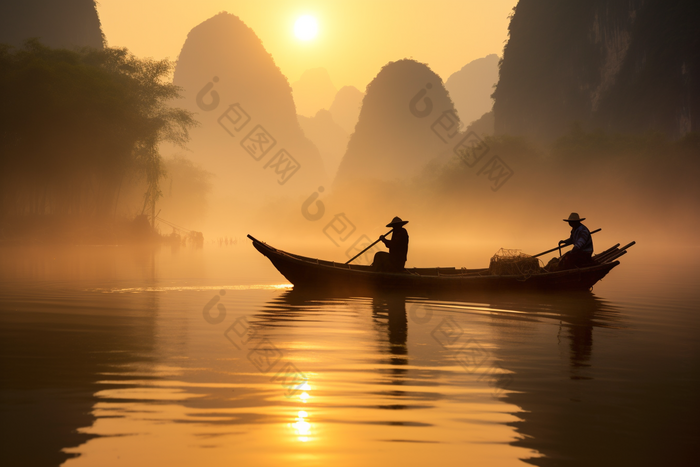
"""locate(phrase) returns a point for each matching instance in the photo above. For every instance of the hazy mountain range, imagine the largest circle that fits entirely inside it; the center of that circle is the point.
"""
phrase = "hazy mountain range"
(471, 87)
(346, 107)
(623, 67)
(330, 139)
(327, 117)
(314, 91)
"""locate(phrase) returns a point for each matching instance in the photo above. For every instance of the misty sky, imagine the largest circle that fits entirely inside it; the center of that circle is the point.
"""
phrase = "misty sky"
(355, 37)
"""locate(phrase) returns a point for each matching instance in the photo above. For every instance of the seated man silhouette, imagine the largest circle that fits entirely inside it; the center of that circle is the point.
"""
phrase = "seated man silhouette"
(395, 259)
(580, 255)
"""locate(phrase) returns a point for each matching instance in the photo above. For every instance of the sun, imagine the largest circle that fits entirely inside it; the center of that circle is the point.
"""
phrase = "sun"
(306, 28)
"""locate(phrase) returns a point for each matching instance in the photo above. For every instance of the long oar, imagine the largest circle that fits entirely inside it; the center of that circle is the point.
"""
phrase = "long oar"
(558, 248)
(360, 253)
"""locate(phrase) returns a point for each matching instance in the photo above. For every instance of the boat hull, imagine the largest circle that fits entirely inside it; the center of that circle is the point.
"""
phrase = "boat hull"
(311, 273)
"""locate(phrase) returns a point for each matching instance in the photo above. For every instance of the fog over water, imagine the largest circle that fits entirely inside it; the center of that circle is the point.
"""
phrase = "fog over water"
(140, 325)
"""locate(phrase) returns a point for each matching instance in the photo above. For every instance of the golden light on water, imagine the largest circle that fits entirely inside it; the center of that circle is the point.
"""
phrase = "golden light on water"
(302, 427)
(306, 28)
(304, 396)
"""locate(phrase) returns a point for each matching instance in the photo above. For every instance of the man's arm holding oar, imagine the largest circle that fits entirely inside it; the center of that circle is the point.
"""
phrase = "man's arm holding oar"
(360, 253)
(553, 249)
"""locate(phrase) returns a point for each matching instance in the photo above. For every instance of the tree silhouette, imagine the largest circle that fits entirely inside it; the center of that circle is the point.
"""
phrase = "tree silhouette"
(75, 124)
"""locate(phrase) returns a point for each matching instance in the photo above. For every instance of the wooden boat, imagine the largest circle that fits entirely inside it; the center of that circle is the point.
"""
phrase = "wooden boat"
(305, 272)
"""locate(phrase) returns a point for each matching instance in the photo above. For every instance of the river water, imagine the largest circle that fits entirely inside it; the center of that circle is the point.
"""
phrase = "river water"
(153, 356)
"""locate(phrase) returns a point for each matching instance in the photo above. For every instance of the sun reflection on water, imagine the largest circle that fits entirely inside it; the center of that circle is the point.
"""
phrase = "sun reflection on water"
(304, 396)
(302, 428)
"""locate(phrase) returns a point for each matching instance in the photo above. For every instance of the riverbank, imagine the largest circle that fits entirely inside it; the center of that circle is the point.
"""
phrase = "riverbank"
(88, 230)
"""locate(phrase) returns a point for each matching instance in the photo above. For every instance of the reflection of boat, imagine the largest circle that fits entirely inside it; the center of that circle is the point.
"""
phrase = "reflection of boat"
(394, 313)
(311, 272)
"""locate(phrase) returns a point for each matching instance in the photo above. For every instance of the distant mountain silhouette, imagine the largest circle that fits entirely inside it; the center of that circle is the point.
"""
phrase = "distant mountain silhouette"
(64, 24)
(471, 87)
(330, 139)
(241, 96)
(346, 107)
(622, 66)
(314, 91)
(394, 137)
(483, 125)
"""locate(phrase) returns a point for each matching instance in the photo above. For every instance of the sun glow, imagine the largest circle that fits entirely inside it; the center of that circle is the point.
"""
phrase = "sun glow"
(306, 28)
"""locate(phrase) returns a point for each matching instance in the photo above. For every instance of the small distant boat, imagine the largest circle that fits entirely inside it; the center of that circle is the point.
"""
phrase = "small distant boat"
(305, 272)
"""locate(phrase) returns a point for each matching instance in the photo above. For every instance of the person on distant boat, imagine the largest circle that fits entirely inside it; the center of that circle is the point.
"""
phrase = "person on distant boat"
(580, 255)
(395, 259)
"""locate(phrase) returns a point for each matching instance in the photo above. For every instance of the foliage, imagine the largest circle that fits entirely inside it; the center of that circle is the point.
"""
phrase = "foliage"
(75, 124)
(599, 145)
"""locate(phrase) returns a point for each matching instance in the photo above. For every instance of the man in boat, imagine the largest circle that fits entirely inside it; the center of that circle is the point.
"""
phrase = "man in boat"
(580, 255)
(395, 259)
